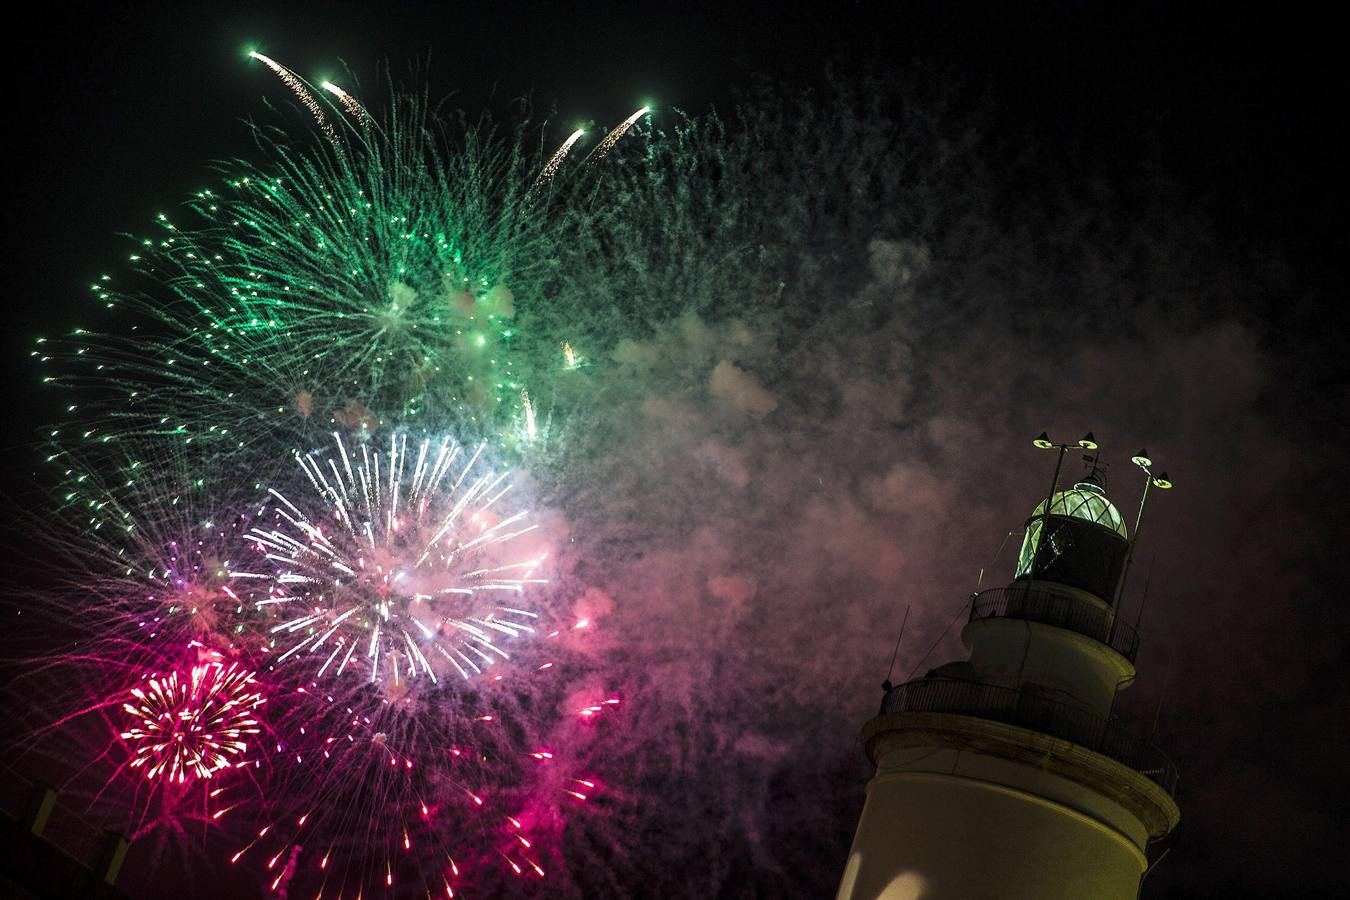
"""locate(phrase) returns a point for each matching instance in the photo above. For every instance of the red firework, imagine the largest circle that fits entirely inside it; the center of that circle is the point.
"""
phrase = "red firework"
(195, 724)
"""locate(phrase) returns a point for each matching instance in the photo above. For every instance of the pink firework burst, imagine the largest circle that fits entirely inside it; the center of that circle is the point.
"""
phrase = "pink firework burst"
(468, 787)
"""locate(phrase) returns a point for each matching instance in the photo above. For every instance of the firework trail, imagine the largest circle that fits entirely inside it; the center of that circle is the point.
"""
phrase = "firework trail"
(601, 151)
(297, 85)
(555, 161)
(349, 103)
(409, 560)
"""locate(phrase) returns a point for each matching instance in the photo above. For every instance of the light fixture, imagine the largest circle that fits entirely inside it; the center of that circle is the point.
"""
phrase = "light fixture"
(1088, 442)
(1162, 483)
(1043, 441)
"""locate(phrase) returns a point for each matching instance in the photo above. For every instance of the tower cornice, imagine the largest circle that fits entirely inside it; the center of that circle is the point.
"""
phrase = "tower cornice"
(1101, 652)
(1141, 796)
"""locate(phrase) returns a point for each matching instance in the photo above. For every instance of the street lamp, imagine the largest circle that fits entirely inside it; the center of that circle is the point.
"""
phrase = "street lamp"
(1159, 481)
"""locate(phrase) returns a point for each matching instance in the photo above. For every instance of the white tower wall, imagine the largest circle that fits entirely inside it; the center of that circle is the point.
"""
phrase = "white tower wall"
(1005, 776)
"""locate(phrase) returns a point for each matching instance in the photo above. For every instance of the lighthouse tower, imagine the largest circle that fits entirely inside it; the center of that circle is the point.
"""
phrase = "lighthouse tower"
(1006, 774)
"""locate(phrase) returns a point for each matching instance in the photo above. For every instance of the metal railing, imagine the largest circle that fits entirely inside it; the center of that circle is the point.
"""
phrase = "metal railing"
(60, 826)
(1061, 610)
(1029, 707)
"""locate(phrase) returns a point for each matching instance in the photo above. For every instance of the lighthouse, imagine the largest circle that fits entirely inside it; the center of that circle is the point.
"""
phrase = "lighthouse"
(1007, 774)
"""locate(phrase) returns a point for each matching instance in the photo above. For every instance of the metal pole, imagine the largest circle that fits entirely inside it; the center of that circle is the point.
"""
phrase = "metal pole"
(1049, 500)
(1134, 541)
(1054, 482)
(891, 668)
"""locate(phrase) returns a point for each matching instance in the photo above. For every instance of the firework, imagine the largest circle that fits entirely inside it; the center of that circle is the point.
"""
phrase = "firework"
(412, 274)
(192, 724)
(418, 275)
(614, 136)
(156, 741)
(145, 545)
(349, 103)
(297, 85)
(551, 167)
(405, 565)
(368, 792)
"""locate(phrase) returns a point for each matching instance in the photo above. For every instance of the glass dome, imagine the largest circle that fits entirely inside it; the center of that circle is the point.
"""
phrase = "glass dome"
(1085, 501)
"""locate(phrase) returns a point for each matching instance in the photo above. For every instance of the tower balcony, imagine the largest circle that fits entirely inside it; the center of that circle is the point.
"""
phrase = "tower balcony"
(1028, 707)
(1062, 609)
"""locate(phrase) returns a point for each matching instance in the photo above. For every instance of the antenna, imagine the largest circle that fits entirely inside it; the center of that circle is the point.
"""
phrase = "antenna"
(1162, 695)
(886, 685)
(1096, 468)
(993, 562)
(1152, 866)
(1148, 579)
(958, 615)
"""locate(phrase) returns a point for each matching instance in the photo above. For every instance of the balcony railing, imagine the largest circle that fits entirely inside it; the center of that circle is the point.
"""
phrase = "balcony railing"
(1061, 610)
(1028, 707)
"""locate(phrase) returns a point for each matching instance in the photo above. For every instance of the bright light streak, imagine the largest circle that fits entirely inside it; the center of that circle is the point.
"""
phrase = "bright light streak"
(614, 136)
(297, 85)
(353, 108)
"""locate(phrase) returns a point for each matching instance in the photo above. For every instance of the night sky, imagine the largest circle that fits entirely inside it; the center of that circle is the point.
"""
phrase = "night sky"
(1152, 246)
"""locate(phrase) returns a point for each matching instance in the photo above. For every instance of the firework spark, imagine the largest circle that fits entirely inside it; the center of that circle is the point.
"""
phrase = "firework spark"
(466, 788)
(531, 427)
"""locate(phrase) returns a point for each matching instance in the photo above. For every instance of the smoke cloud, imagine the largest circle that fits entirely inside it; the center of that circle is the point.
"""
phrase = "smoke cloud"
(815, 413)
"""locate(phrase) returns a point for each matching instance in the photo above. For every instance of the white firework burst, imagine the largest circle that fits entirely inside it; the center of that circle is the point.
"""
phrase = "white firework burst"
(401, 565)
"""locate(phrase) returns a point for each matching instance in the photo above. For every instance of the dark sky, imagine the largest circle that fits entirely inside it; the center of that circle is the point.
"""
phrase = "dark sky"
(115, 113)
(1232, 111)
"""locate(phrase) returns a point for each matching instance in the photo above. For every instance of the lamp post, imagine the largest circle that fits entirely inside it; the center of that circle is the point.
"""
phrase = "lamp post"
(1162, 483)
